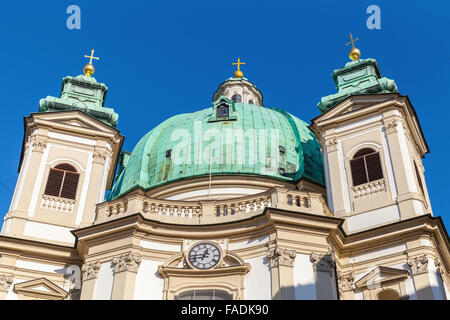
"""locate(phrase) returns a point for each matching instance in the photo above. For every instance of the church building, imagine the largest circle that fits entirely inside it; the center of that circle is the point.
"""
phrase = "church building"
(233, 202)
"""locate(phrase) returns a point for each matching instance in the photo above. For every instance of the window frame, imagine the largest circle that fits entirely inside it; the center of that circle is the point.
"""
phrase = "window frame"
(73, 172)
(368, 173)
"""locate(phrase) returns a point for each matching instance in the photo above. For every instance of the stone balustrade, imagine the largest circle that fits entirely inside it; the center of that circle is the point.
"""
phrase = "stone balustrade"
(57, 204)
(211, 211)
(369, 188)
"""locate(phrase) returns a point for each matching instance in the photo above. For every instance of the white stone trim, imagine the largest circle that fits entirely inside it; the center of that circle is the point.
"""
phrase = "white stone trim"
(38, 182)
(84, 190)
(23, 173)
(66, 137)
(344, 178)
(48, 232)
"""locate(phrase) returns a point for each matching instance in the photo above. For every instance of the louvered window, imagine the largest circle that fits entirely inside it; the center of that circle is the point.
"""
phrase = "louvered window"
(366, 166)
(62, 181)
(222, 111)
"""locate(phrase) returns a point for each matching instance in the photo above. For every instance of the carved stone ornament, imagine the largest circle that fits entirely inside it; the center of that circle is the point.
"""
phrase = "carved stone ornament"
(331, 144)
(346, 282)
(418, 265)
(323, 263)
(90, 270)
(38, 144)
(5, 282)
(127, 262)
(280, 257)
(439, 267)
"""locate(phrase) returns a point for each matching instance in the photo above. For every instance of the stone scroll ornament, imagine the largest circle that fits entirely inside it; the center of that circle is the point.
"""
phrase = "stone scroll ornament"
(127, 262)
(5, 283)
(90, 270)
(418, 265)
(346, 282)
(279, 256)
(324, 263)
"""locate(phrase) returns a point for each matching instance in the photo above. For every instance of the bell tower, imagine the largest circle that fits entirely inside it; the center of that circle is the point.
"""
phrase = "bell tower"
(69, 155)
(373, 147)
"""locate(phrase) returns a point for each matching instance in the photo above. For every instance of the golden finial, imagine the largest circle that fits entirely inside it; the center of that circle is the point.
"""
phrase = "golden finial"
(238, 73)
(89, 68)
(354, 53)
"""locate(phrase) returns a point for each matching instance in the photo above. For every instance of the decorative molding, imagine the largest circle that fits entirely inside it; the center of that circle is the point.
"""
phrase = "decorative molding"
(38, 144)
(391, 126)
(279, 256)
(90, 270)
(418, 265)
(127, 262)
(439, 267)
(331, 144)
(323, 263)
(346, 282)
(5, 282)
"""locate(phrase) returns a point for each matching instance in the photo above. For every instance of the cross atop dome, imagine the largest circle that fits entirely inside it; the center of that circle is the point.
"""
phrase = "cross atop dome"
(238, 73)
(89, 68)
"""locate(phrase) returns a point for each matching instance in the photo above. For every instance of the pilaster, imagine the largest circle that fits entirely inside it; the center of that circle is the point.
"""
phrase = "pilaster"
(5, 283)
(324, 270)
(281, 271)
(421, 278)
(90, 273)
(125, 271)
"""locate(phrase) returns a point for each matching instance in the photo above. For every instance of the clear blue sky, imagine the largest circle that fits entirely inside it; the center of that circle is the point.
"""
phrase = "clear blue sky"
(162, 58)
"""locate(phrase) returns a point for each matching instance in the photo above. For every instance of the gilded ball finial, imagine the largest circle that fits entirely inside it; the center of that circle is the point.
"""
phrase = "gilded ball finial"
(238, 73)
(354, 53)
(88, 70)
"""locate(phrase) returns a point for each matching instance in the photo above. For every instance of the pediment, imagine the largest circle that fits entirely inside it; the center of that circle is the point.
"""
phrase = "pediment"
(75, 119)
(382, 275)
(41, 288)
(353, 104)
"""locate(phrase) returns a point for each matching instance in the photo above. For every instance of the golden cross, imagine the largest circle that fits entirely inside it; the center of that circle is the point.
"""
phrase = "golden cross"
(91, 57)
(238, 63)
(352, 41)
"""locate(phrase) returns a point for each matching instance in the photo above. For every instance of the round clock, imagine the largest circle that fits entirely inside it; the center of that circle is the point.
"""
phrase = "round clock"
(204, 255)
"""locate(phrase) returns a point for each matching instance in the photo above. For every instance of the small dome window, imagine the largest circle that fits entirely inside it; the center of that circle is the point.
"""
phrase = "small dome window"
(222, 111)
(236, 98)
(250, 102)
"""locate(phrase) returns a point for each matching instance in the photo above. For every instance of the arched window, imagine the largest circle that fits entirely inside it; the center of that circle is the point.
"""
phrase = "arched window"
(366, 166)
(62, 181)
(236, 98)
(222, 111)
(250, 101)
(204, 295)
(388, 294)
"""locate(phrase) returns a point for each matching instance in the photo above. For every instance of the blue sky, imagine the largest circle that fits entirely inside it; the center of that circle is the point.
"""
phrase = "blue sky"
(162, 58)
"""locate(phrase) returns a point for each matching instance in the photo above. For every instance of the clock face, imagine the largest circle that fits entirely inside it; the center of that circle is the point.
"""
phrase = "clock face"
(204, 255)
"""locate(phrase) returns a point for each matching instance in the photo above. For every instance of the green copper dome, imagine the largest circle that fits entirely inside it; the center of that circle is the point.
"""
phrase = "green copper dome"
(274, 135)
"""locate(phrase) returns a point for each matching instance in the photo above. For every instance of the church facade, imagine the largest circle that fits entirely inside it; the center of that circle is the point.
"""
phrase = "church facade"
(236, 201)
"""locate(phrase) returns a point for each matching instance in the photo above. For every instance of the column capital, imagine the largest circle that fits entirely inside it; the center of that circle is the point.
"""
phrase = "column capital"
(331, 144)
(127, 262)
(90, 270)
(346, 282)
(324, 263)
(5, 282)
(418, 265)
(279, 256)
